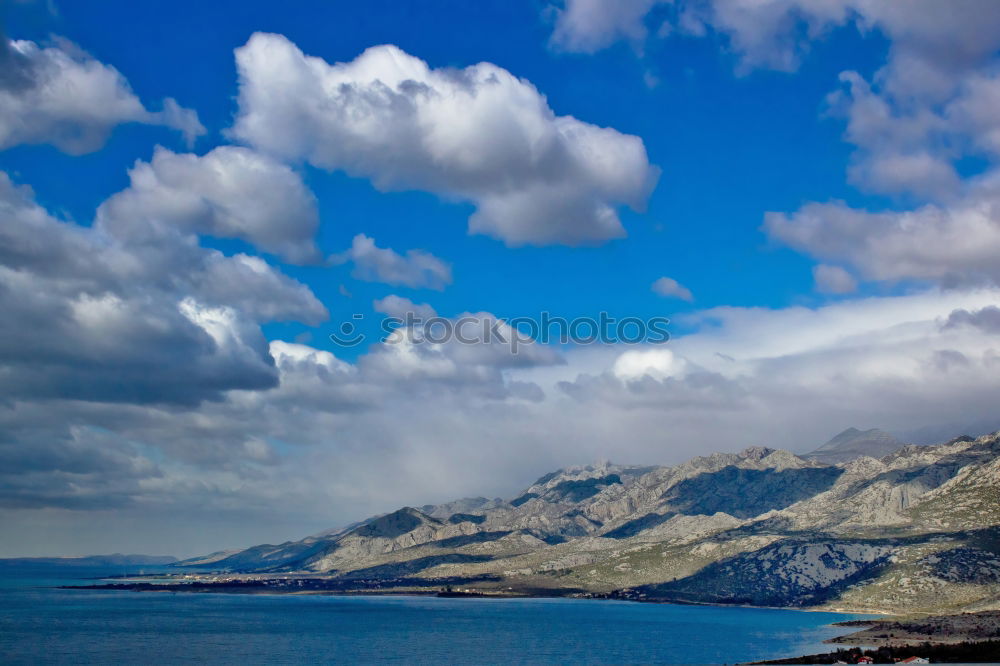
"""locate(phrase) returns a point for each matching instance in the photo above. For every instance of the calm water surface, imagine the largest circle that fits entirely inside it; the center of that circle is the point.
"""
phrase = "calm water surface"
(39, 624)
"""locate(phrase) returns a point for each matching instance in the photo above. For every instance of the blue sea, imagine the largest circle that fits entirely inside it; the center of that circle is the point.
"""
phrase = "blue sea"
(41, 624)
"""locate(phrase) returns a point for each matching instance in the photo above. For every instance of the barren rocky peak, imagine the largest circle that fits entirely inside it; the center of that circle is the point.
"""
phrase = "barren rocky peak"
(853, 443)
(755, 452)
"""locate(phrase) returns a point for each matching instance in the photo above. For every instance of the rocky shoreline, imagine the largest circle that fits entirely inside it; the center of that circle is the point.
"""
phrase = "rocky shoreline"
(961, 638)
(938, 629)
(971, 652)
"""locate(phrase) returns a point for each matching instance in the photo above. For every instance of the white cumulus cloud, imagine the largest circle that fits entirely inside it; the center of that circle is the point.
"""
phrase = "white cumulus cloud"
(230, 192)
(478, 134)
(62, 96)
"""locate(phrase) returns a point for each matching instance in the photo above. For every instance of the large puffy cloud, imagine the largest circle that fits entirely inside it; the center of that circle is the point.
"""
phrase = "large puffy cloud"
(62, 96)
(416, 268)
(155, 318)
(954, 243)
(478, 134)
(230, 192)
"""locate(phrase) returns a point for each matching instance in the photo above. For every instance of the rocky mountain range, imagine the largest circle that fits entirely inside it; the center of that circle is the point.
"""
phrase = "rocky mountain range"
(917, 530)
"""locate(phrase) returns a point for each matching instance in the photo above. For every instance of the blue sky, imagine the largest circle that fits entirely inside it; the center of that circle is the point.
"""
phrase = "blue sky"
(731, 147)
(825, 188)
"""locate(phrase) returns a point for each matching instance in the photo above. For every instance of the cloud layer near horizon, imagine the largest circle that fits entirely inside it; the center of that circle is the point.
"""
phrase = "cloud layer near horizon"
(409, 423)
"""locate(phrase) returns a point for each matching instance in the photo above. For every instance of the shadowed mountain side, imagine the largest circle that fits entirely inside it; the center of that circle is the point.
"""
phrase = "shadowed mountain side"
(633, 527)
(965, 564)
(785, 574)
(577, 491)
(804, 570)
(746, 493)
(467, 539)
(523, 499)
(394, 524)
(457, 518)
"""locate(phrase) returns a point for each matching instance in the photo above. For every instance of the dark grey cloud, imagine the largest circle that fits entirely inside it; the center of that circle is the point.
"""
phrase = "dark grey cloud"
(150, 318)
(15, 68)
(76, 468)
(985, 319)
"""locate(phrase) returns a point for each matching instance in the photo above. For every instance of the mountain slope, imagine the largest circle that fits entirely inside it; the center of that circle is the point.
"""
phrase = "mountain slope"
(853, 443)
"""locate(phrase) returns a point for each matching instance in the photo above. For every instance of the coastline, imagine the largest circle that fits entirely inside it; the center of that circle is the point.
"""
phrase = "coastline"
(419, 587)
(412, 587)
(306, 608)
(258, 587)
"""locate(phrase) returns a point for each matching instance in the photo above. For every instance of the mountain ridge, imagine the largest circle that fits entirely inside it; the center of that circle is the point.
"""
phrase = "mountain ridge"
(917, 530)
